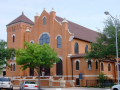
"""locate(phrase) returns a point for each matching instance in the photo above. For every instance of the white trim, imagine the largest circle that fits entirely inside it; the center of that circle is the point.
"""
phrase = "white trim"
(42, 34)
(77, 60)
(64, 21)
(52, 10)
(44, 17)
(60, 57)
(37, 14)
(77, 76)
(13, 35)
(109, 63)
(96, 60)
(58, 22)
(69, 55)
(103, 64)
(31, 41)
(87, 60)
(58, 35)
(13, 63)
(71, 38)
(70, 32)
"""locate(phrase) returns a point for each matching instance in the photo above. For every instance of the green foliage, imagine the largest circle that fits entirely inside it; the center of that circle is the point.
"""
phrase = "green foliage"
(35, 55)
(105, 45)
(5, 52)
(102, 77)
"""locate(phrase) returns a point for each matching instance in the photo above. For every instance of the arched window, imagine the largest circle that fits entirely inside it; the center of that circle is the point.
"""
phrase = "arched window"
(58, 42)
(89, 65)
(44, 21)
(13, 39)
(44, 39)
(96, 64)
(102, 68)
(31, 41)
(77, 65)
(86, 48)
(76, 48)
(11, 67)
(109, 67)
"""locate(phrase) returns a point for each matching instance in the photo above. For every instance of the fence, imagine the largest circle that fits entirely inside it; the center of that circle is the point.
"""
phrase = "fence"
(98, 84)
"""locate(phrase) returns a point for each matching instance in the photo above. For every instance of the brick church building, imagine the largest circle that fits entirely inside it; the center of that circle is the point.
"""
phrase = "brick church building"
(69, 39)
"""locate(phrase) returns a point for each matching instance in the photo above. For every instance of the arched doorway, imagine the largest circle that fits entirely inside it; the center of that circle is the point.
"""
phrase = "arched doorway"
(59, 68)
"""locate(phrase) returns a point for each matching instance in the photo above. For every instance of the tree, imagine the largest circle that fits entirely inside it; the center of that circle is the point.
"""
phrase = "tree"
(105, 45)
(5, 53)
(102, 78)
(35, 55)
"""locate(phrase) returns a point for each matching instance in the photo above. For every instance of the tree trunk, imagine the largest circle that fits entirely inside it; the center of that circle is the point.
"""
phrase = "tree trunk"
(39, 81)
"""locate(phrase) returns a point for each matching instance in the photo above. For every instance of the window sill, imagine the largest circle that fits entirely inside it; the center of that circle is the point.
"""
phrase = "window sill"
(89, 69)
(77, 70)
(59, 48)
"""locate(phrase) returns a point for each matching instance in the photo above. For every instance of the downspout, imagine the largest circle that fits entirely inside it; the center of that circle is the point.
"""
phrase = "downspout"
(72, 68)
(115, 71)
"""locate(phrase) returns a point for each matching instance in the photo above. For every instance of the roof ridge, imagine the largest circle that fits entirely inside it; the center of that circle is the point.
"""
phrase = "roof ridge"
(80, 32)
(76, 24)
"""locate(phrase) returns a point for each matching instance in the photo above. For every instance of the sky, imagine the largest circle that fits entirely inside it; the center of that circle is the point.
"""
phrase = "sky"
(87, 13)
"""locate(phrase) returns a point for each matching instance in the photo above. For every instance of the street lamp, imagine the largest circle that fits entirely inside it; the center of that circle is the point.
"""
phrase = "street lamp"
(115, 23)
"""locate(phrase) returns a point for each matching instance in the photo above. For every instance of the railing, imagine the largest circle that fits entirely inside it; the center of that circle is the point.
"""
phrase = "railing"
(97, 83)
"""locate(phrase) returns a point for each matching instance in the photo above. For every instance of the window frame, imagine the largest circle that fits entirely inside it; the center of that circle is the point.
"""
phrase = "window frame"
(86, 48)
(109, 67)
(77, 65)
(58, 42)
(14, 67)
(102, 67)
(44, 20)
(89, 62)
(96, 65)
(13, 38)
(76, 48)
(44, 39)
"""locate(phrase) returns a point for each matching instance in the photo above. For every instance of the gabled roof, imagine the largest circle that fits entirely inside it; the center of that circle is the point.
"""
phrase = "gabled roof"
(78, 55)
(80, 32)
(21, 18)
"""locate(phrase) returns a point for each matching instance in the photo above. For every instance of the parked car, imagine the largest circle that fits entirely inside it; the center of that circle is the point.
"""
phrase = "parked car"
(5, 83)
(28, 85)
(116, 87)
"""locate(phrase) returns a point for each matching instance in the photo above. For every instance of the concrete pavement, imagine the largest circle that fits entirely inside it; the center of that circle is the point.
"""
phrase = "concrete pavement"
(70, 88)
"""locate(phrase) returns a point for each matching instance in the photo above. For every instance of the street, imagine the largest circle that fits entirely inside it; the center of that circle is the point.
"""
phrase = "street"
(70, 88)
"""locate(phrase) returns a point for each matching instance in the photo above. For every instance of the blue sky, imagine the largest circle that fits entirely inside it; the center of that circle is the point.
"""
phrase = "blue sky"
(88, 13)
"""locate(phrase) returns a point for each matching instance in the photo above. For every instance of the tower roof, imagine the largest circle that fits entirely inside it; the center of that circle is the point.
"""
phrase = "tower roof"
(21, 18)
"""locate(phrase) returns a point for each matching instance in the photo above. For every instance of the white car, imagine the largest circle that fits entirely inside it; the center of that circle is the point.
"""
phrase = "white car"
(28, 85)
(116, 87)
(5, 84)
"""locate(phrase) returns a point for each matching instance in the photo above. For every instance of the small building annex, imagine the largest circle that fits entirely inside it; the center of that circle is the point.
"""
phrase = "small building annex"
(69, 39)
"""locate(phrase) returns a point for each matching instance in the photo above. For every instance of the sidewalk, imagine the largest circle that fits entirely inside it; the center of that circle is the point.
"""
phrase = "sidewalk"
(69, 88)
